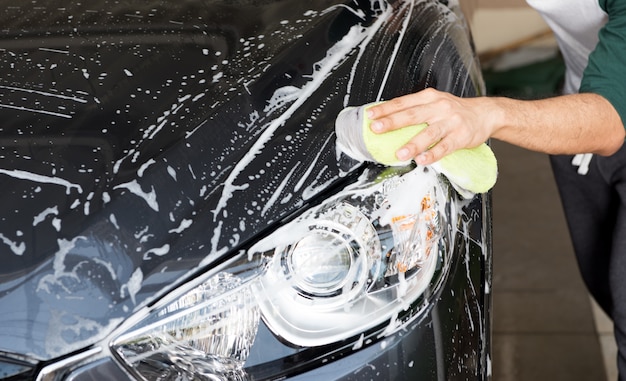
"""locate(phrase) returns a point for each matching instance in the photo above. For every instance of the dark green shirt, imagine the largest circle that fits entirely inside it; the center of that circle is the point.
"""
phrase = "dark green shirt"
(605, 73)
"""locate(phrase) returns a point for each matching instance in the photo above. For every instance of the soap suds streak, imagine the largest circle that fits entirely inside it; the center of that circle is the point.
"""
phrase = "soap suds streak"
(42, 216)
(16, 248)
(399, 41)
(22, 108)
(24, 175)
(135, 188)
(323, 69)
(278, 191)
(45, 93)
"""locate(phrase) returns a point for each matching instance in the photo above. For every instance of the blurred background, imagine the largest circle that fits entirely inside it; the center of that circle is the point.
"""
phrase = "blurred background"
(545, 326)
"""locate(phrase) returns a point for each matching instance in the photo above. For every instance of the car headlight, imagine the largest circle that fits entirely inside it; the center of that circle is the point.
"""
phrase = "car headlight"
(358, 261)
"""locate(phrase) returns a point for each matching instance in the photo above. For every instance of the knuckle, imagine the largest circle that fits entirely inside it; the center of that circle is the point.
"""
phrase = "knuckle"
(397, 103)
(457, 120)
(429, 91)
(446, 106)
(412, 114)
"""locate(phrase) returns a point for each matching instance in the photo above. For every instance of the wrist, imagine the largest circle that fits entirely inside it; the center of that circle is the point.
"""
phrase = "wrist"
(496, 113)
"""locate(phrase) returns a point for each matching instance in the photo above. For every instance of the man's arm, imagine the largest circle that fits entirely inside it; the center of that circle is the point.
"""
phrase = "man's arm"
(568, 124)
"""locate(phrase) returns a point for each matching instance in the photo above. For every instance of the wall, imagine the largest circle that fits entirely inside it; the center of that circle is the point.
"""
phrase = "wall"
(498, 24)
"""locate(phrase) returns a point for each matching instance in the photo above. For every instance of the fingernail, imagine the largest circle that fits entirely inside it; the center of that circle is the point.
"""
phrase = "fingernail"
(376, 126)
(403, 154)
(370, 113)
(420, 159)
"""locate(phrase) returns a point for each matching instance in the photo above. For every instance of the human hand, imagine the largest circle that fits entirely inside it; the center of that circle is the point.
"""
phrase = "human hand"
(453, 123)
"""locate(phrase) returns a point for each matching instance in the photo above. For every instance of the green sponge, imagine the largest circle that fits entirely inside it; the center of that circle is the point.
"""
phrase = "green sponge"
(470, 170)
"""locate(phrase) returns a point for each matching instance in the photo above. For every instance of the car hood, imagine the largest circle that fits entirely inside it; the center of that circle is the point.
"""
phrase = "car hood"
(141, 143)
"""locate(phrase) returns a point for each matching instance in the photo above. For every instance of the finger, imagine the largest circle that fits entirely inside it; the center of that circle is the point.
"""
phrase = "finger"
(435, 153)
(407, 117)
(400, 103)
(430, 145)
(422, 142)
(386, 108)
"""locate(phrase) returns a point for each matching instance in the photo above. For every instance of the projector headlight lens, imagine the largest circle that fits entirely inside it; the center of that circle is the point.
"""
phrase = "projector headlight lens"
(321, 275)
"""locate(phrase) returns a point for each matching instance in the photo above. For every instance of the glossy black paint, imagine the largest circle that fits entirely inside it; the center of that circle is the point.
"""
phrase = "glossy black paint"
(142, 142)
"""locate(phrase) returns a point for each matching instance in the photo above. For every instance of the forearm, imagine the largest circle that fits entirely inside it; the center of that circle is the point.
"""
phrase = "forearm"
(569, 124)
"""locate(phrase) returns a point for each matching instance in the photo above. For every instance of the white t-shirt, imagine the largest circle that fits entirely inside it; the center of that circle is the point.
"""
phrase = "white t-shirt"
(575, 24)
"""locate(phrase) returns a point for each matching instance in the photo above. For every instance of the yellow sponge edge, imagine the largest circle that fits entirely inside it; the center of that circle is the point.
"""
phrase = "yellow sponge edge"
(471, 169)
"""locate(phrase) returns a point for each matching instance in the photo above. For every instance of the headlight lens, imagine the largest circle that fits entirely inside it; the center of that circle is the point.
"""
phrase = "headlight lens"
(325, 263)
(207, 332)
(344, 267)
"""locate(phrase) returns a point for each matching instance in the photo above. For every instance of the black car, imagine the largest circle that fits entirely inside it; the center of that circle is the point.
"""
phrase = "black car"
(174, 206)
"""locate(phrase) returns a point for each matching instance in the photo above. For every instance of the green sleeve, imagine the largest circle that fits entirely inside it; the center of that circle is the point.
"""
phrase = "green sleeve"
(606, 71)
